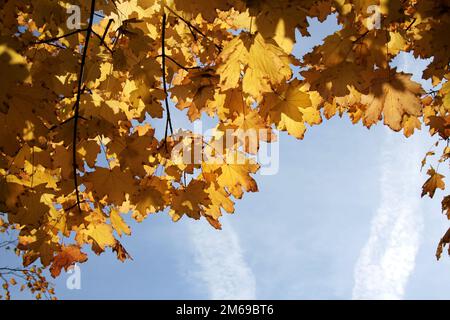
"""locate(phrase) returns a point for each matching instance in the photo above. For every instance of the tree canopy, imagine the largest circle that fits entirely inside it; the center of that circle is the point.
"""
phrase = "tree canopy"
(83, 80)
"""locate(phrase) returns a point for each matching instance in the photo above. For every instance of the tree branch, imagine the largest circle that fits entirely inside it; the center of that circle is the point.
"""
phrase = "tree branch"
(101, 42)
(361, 36)
(106, 31)
(77, 104)
(102, 38)
(179, 64)
(163, 55)
(49, 41)
(64, 122)
(410, 25)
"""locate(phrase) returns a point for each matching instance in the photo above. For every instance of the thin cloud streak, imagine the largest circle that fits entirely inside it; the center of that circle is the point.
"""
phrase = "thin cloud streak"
(388, 258)
(222, 266)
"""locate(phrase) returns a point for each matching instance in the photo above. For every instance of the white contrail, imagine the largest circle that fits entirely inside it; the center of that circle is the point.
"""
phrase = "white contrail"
(388, 258)
(222, 267)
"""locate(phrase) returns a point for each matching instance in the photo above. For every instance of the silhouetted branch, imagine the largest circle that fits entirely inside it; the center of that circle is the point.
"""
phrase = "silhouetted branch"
(77, 103)
(49, 41)
(163, 55)
(178, 64)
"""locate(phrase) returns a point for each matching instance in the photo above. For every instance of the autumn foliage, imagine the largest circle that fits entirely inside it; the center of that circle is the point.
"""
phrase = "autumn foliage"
(71, 96)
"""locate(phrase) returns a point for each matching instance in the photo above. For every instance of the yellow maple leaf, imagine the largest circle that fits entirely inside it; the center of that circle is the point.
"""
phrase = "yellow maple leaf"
(233, 173)
(194, 91)
(264, 63)
(98, 234)
(189, 200)
(290, 108)
(393, 99)
(151, 197)
(434, 182)
(117, 222)
(219, 199)
(121, 252)
(113, 184)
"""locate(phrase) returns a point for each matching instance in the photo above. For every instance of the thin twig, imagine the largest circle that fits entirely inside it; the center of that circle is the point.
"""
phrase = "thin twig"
(33, 170)
(194, 35)
(99, 15)
(106, 30)
(361, 36)
(179, 64)
(102, 43)
(48, 41)
(410, 25)
(64, 122)
(77, 204)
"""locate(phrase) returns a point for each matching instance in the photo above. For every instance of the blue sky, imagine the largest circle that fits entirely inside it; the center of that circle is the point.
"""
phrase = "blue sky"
(342, 219)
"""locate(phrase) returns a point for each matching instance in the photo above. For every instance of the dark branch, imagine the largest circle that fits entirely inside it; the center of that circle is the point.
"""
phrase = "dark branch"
(49, 41)
(102, 41)
(179, 64)
(77, 104)
(166, 99)
(411, 24)
(64, 122)
(73, 206)
(99, 15)
(361, 36)
(106, 31)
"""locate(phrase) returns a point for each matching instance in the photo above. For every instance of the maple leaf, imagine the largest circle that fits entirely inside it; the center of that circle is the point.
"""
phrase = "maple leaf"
(440, 125)
(151, 197)
(263, 62)
(337, 81)
(410, 123)
(118, 224)
(194, 91)
(113, 184)
(120, 251)
(393, 99)
(13, 64)
(189, 201)
(434, 182)
(445, 240)
(67, 257)
(135, 152)
(290, 108)
(220, 199)
(234, 173)
(98, 234)
(446, 92)
(75, 101)
(446, 206)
